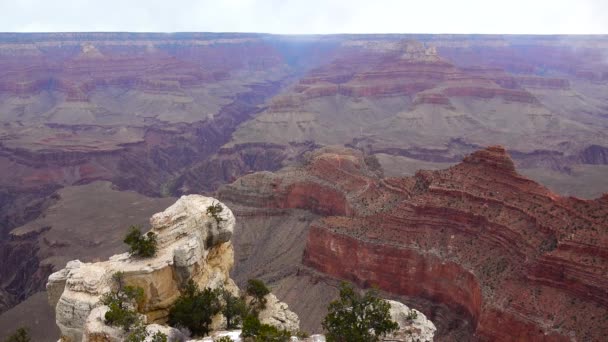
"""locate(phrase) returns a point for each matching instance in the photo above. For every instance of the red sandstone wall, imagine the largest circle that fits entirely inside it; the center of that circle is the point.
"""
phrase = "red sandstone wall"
(397, 270)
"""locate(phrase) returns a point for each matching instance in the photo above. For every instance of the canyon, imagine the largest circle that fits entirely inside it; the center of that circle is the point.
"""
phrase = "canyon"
(92, 123)
(493, 255)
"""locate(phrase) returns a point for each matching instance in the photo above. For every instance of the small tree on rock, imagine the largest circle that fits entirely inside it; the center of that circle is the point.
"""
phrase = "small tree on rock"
(122, 301)
(140, 245)
(234, 309)
(215, 210)
(254, 331)
(258, 290)
(356, 318)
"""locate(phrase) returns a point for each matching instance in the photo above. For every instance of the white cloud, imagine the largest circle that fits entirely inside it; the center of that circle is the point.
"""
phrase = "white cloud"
(308, 16)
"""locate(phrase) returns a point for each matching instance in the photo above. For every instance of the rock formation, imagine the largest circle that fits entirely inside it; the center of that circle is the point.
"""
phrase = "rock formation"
(191, 245)
(152, 112)
(508, 257)
(413, 324)
(278, 315)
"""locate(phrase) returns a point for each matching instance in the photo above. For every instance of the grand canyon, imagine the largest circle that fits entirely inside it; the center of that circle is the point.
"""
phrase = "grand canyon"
(463, 175)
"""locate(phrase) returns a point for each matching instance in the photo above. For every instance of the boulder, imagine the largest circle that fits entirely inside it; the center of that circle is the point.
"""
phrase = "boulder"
(277, 314)
(413, 324)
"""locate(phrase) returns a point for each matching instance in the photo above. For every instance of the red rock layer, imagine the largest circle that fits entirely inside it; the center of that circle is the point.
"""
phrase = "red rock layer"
(516, 260)
(77, 68)
(407, 68)
(393, 269)
(527, 57)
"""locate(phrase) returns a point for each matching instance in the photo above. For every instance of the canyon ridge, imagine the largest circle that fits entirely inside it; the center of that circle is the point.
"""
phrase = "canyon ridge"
(343, 157)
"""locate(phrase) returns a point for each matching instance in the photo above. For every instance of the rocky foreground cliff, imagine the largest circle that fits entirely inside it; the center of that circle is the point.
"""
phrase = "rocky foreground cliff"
(192, 245)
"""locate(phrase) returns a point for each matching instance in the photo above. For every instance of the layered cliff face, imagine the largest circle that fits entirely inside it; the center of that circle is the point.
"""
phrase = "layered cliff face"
(173, 114)
(418, 98)
(76, 108)
(81, 107)
(120, 128)
(511, 258)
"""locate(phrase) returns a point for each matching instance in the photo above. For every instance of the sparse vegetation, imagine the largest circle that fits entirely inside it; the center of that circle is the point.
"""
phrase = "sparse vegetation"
(223, 339)
(412, 315)
(141, 246)
(159, 337)
(20, 335)
(139, 334)
(255, 331)
(122, 301)
(258, 290)
(215, 210)
(302, 334)
(233, 308)
(251, 326)
(195, 309)
(356, 318)
(372, 163)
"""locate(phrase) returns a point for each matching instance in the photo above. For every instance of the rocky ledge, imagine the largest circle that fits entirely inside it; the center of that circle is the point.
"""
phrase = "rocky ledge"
(191, 245)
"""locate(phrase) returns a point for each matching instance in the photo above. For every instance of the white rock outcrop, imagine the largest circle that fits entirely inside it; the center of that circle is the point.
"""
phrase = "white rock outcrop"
(171, 333)
(191, 245)
(277, 314)
(410, 329)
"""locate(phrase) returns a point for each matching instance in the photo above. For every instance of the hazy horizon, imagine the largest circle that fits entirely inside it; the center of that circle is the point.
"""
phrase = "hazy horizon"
(313, 17)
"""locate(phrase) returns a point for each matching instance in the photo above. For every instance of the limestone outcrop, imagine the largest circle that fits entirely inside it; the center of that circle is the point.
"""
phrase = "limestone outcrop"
(191, 245)
(413, 324)
(278, 314)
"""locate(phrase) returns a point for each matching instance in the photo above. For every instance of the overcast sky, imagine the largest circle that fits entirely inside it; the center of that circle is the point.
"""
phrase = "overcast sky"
(308, 16)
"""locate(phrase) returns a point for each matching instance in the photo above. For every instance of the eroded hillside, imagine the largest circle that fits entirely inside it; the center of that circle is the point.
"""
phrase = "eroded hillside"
(508, 257)
(171, 114)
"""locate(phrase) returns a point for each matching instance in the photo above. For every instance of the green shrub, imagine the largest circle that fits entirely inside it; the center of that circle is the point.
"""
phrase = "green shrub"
(159, 337)
(255, 331)
(194, 309)
(233, 308)
(356, 318)
(20, 335)
(223, 339)
(302, 334)
(121, 301)
(141, 246)
(120, 316)
(412, 315)
(268, 333)
(251, 326)
(258, 290)
(215, 210)
(139, 334)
